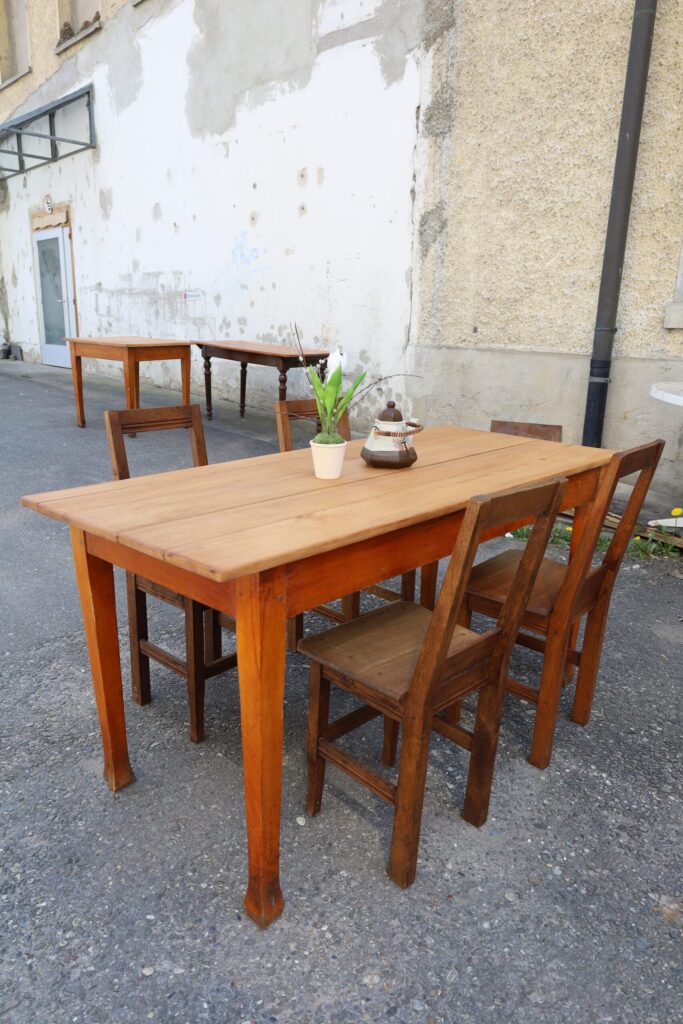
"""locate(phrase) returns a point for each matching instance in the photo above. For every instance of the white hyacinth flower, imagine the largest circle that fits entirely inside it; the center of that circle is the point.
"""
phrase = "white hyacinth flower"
(336, 358)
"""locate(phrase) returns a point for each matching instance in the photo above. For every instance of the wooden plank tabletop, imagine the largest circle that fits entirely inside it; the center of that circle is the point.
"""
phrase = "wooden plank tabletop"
(265, 348)
(230, 519)
(132, 342)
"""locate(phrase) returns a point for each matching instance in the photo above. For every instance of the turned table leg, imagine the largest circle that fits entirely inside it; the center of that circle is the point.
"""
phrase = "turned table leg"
(261, 622)
(282, 393)
(207, 383)
(243, 386)
(95, 579)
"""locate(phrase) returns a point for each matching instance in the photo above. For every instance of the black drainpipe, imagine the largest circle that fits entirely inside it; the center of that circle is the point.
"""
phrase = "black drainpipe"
(642, 31)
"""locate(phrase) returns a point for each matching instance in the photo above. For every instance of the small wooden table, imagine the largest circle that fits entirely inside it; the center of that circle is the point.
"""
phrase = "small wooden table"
(262, 539)
(131, 352)
(282, 357)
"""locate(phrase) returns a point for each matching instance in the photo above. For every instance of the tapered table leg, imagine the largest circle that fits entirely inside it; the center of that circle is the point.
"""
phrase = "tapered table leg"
(185, 371)
(95, 579)
(77, 376)
(129, 380)
(261, 607)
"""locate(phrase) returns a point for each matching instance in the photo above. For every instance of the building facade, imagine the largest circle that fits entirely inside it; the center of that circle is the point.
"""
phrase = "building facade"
(423, 182)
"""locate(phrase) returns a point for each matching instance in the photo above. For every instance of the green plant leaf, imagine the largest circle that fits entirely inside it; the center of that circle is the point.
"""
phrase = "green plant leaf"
(318, 393)
(332, 388)
(348, 396)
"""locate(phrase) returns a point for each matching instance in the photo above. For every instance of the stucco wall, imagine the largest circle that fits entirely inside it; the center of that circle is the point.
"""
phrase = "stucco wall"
(515, 161)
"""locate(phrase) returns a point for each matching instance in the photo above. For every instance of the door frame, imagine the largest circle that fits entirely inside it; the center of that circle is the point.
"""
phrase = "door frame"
(57, 356)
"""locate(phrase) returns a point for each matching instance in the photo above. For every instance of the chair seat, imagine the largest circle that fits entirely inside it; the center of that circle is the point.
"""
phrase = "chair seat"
(380, 650)
(491, 581)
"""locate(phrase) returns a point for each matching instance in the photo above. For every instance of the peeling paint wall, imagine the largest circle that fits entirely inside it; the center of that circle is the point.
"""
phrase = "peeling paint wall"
(522, 101)
(254, 168)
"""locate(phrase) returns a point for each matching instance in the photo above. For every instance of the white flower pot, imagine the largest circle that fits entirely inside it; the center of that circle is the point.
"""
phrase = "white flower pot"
(328, 459)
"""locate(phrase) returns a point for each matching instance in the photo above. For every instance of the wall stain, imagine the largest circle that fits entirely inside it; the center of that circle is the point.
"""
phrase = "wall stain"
(432, 223)
(439, 18)
(439, 115)
(274, 44)
(239, 60)
(106, 202)
(4, 309)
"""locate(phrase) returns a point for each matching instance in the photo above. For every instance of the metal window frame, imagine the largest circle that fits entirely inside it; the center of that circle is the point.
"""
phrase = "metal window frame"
(21, 126)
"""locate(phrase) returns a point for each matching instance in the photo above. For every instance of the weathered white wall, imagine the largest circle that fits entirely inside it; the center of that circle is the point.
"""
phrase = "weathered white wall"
(230, 197)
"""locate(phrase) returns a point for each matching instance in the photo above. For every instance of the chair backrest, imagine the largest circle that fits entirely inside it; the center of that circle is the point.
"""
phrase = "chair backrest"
(540, 431)
(119, 422)
(643, 461)
(301, 409)
(539, 505)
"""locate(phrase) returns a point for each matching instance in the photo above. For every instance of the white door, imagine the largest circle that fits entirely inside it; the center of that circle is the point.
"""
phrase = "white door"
(56, 301)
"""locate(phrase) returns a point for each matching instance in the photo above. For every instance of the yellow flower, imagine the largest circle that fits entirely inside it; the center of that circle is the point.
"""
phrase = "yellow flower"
(568, 529)
(677, 511)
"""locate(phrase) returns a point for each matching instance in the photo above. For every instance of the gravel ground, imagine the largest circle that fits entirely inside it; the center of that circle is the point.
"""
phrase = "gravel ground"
(564, 907)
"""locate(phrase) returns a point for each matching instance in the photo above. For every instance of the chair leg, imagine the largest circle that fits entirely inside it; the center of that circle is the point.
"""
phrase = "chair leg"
(590, 662)
(570, 669)
(318, 717)
(196, 678)
(137, 628)
(549, 694)
(412, 776)
(213, 638)
(454, 712)
(351, 606)
(390, 742)
(483, 755)
(295, 631)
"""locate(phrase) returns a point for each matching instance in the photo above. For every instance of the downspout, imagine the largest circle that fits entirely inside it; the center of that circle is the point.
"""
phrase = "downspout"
(642, 31)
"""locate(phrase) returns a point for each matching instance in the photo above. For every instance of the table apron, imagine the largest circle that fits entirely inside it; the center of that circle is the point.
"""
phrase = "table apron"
(84, 351)
(143, 355)
(281, 363)
(220, 596)
(120, 353)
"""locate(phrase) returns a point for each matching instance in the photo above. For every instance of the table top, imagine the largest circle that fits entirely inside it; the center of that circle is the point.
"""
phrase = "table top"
(266, 348)
(132, 342)
(668, 391)
(231, 519)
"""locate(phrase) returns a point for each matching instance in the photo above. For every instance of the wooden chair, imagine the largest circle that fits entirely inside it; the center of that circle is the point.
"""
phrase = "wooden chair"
(540, 431)
(306, 409)
(202, 625)
(410, 664)
(562, 596)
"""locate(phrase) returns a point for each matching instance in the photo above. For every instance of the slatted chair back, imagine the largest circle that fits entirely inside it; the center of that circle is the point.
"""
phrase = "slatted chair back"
(580, 577)
(301, 409)
(120, 422)
(539, 431)
(539, 505)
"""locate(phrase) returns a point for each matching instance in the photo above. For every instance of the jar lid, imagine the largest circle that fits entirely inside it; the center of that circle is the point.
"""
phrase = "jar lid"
(391, 414)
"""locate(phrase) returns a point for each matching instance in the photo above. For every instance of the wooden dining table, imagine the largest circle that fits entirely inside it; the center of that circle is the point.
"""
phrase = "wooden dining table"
(262, 539)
